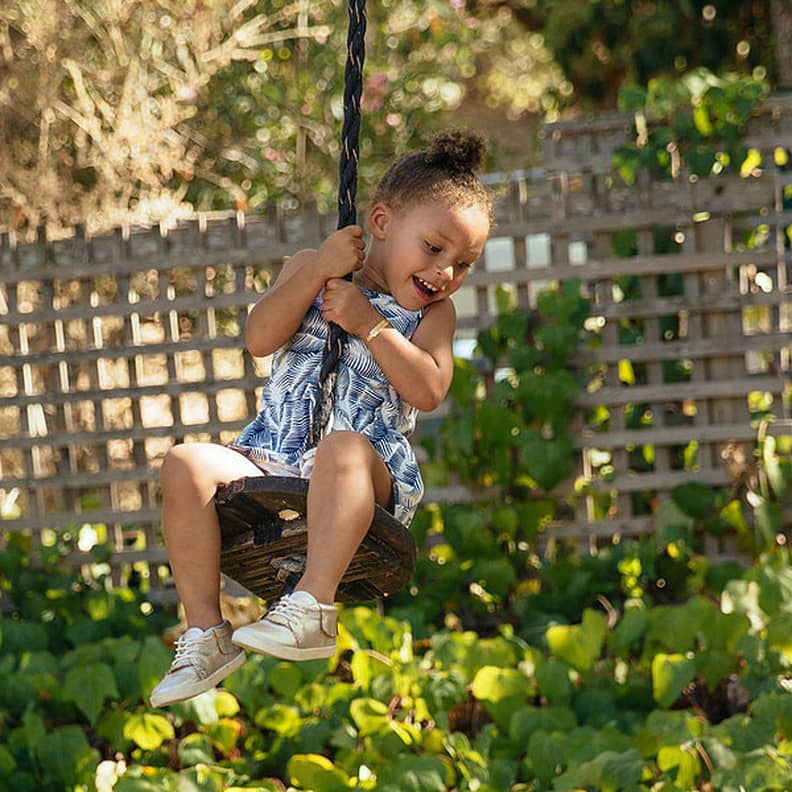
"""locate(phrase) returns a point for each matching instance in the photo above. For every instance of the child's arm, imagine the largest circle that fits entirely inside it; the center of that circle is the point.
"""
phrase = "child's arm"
(277, 315)
(421, 368)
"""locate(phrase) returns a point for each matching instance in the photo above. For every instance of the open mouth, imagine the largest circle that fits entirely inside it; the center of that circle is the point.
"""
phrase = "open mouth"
(424, 288)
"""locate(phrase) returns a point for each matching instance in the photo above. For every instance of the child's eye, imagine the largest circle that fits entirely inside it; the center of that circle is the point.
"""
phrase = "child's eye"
(464, 265)
(431, 247)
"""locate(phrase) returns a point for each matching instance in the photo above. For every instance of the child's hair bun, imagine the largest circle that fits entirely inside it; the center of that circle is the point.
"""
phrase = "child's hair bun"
(457, 151)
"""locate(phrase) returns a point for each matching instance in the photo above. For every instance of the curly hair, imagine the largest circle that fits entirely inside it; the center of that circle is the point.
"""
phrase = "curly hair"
(444, 170)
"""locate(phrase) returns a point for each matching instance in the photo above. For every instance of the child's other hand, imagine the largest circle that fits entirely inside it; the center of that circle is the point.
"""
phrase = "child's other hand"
(342, 252)
(344, 304)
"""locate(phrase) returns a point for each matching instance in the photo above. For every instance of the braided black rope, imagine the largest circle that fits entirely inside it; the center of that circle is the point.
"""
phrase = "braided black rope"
(347, 215)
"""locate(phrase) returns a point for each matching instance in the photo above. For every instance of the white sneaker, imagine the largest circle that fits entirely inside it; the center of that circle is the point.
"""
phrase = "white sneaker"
(297, 627)
(203, 659)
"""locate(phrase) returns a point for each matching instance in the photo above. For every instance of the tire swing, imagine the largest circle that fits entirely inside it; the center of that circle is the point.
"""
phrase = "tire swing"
(264, 535)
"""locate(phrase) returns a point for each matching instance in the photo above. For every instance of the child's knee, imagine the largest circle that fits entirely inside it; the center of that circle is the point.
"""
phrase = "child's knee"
(343, 440)
(341, 455)
(178, 470)
(343, 448)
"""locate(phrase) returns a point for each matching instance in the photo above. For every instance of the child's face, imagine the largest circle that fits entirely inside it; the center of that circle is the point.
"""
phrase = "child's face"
(425, 252)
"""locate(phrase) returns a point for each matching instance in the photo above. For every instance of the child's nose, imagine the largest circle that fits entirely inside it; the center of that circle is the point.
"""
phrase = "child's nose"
(446, 272)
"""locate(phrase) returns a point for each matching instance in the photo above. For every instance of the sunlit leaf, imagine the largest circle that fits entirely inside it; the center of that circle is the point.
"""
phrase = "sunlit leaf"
(671, 673)
(579, 644)
(316, 772)
(148, 730)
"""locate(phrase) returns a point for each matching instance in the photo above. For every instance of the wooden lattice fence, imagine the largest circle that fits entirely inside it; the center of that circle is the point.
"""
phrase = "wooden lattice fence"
(113, 348)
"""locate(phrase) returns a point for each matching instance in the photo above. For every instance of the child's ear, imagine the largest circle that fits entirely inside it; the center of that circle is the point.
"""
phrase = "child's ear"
(378, 220)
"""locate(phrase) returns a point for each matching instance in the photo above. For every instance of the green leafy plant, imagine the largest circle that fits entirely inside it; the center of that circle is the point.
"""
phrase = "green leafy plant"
(605, 691)
(695, 122)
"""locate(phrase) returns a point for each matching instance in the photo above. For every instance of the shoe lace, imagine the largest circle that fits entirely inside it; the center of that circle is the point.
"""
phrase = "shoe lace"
(285, 611)
(187, 652)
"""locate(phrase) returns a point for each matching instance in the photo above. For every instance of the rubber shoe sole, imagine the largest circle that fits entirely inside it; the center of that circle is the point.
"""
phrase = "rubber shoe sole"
(196, 688)
(248, 638)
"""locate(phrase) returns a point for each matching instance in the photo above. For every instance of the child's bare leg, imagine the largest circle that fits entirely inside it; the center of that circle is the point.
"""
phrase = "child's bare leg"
(347, 479)
(189, 477)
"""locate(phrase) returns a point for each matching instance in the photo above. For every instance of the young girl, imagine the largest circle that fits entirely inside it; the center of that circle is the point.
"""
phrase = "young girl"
(429, 222)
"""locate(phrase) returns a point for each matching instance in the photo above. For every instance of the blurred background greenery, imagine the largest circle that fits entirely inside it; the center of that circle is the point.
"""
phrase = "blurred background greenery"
(138, 111)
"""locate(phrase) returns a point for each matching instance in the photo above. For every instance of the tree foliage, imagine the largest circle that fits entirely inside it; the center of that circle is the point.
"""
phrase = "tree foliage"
(98, 98)
(603, 44)
(137, 110)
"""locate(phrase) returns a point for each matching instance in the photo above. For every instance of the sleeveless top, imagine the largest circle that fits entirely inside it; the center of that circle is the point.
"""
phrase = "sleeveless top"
(365, 402)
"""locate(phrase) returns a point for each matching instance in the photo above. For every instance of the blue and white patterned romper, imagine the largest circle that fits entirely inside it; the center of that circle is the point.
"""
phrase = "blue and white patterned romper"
(365, 402)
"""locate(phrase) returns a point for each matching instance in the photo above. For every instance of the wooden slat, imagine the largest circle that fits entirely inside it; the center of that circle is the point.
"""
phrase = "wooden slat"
(663, 306)
(119, 352)
(169, 389)
(679, 391)
(606, 267)
(146, 307)
(666, 436)
(137, 433)
(722, 346)
(663, 482)
(602, 529)
(93, 517)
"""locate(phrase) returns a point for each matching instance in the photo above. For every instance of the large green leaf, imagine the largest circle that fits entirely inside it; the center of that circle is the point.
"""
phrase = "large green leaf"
(224, 734)
(779, 635)
(502, 690)
(280, 718)
(546, 755)
(111, 728)
(67, 758)
(608, 772)
(546, 462)
(671, 673)
(686, 761)
(149, 779)
(285, 679)
(196, 749)
(495, 575)
(715, 664)
(152, 664)
(694, 499)
(7, 762)
(715, 629)
(552, 679)
(774, 709)
(22, 636)
(413, 774)
(148, 730)
(671, 628)
(579, 644)
(370, 716)
(548, 396)
(317, 773)
(526, 720)
(626, 636)
(249, 683)
(89, 687)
